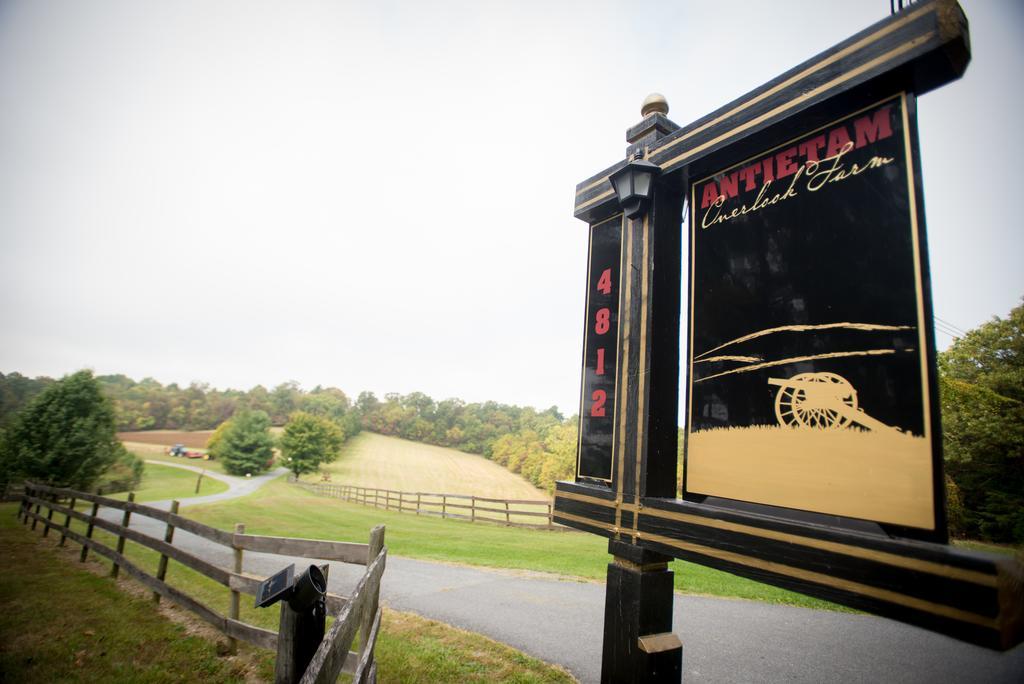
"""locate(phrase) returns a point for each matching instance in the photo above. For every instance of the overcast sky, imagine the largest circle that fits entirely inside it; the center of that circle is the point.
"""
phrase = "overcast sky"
(378, 195)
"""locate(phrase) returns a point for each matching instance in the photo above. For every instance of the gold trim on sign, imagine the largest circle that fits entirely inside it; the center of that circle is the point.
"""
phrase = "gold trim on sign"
(642, 368)
(587, 521)
(826, 580)
(863, 42)
(692, 249)
(584, 498)
(833, 547)
(620, 405)
(918, 284)
(586, 336)
(931, 567)
(603, 179)
(906, 47)
(867, 40)
(596, 198)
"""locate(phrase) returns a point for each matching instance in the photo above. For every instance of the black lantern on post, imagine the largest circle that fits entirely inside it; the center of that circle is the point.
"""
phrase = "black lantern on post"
(633, 185)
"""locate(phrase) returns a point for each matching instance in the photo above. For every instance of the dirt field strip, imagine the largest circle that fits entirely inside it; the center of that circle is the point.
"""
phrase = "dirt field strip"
(192, 439)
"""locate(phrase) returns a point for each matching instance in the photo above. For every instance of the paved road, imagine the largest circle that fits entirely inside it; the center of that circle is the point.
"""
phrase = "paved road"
(237, 486)
(724, 640)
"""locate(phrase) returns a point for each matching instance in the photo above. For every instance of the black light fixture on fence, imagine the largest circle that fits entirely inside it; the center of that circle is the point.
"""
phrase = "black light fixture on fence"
(633, 184)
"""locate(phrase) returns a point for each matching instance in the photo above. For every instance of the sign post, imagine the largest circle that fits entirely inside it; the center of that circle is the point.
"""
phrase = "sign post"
(812, 430)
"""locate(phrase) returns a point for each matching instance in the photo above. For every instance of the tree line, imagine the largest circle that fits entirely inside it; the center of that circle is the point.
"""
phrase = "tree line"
(981, 388)
(150, 405)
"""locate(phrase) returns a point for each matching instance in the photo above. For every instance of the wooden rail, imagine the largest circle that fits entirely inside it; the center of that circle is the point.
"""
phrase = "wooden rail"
(510, 512)
(357, 612)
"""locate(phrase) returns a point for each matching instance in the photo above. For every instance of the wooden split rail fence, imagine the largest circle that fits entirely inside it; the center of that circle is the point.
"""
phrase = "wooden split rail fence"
(359, 612)
(508, 512)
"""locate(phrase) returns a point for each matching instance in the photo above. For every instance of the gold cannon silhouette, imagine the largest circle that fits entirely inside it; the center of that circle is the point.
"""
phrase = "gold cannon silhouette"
(820, 401)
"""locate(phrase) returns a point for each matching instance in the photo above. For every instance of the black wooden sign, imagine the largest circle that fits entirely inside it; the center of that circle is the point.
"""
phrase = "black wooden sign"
(808, 366)
(812, 428)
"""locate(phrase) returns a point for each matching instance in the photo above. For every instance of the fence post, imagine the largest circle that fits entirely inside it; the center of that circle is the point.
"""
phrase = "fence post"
(444, 506)
(25, 505)
(88, 531)
(508, 520)
(235, 596)
(400, 502)
(472, 509)
(417, 503)
(120, 540)
(370, 607)
(35, 518)
(67, 521)
(551, 519)
(161, 568)
(49, 515)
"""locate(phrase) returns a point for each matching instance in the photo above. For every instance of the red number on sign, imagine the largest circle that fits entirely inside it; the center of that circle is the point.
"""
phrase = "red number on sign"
(604, 283)
(601, 327)
(597, 408)
(600, 361)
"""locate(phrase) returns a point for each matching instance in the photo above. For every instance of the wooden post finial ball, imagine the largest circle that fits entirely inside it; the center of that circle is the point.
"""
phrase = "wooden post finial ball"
(655, 103)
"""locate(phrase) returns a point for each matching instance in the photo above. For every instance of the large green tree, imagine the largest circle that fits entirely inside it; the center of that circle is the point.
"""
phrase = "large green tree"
(308, 441)
(64, 436)
(982, 390)
(245, 446)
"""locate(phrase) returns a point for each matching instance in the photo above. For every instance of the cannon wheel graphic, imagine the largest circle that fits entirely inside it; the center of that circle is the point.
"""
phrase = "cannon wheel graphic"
(820, 401)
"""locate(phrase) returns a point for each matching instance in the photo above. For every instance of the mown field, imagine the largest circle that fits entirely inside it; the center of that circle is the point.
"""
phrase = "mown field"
(116, 636)
(372, 460)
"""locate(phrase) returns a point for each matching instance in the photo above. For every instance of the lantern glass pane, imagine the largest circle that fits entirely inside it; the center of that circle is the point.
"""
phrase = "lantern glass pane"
(623, 185)
(642, 183)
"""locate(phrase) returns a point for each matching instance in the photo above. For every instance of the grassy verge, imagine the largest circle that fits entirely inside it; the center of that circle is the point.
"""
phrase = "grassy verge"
(409, 649)
(166, 482)
(420, 650)
(63, 623)
(283, 509)
(1001, 549)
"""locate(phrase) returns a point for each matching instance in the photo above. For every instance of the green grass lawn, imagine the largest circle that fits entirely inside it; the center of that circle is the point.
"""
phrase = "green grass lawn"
(283, 509)
(410, 648)
(166, 482)
(1000, 549)
(60, 622)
